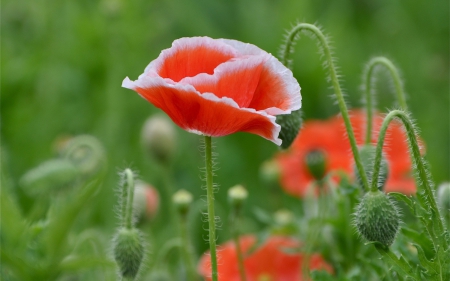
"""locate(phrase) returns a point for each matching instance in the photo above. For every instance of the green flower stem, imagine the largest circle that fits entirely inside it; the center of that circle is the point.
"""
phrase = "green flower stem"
(323, 42)
(369, 72)
(235, 229)
(210, 203)
(187, 250)
(127, 199)
(168, 186)
(421, 169)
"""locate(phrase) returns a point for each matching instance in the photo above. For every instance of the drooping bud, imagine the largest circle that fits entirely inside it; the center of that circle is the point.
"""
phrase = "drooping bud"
(443, 200)
(236, 196)
(86, 153)
(367, 154)
(316, 162)
(377, 219)
(182, 200)
(128, 251)
(158, 138)
(49, 176)
(290, 125)
(270, 171)
(145, 200)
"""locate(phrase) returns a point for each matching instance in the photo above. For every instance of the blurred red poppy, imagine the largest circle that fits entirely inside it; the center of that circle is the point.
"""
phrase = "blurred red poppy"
(330, 137)
(217, 87)
(275, 260)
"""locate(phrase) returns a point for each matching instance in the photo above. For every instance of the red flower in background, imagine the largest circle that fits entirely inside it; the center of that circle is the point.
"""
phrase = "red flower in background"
(330, 137)
(270, 261)
(217, 87)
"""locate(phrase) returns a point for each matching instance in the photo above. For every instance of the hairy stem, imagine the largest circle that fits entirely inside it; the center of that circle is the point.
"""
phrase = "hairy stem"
(127, 200)
(422, 174)
(210, 203)
(369, 72)
(323, 43)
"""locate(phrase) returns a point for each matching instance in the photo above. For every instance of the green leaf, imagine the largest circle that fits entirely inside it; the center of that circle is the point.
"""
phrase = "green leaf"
(403, 198)
(398, 264)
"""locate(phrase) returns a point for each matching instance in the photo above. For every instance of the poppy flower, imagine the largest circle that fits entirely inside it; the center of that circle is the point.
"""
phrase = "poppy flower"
(330, 137)
(272, 261)
(216, 87)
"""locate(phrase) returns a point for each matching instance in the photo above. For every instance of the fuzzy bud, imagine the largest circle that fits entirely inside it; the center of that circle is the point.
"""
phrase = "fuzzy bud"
(50, 175)
(237, 195)
(316, 163)
(158, 138)
(270, 171)
(86, 153)
(367, 154)
(290, 125)
(377, 219)
(182, 200)
(443, 200)
(145, 200)
(128, 251)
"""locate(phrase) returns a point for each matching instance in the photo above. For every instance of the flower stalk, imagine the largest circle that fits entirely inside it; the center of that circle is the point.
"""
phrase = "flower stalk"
(368, 76)
(210, 203)
(325, 48)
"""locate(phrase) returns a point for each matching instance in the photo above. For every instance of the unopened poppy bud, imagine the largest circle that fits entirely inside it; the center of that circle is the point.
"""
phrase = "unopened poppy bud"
(290, 125)
(377, 219)
(86, 153)
(316, 163)
(367, 154)
(443, 200)
(283, 217)
(50, 175)
(158, 138)
(182, 200)
(237, 195)
(270, 171)
(145, 200)
(128, 251)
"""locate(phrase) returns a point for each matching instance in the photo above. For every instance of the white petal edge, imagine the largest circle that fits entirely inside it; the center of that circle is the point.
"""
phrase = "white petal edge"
(148, 82)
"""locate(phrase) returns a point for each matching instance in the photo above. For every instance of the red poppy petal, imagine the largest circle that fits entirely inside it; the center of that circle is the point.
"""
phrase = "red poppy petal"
(236, 79)
(191, 56)
(203, 113)
(278, 92)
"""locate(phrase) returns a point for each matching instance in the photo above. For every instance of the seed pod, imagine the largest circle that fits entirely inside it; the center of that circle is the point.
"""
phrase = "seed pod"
(377, 219)
(158, 138)
(290, 125)
(316, 163)
(182, 199)
(367, 154)
(236, 196)
(128, 251)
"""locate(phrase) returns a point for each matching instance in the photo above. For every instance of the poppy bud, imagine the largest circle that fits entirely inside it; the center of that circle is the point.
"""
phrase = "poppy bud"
(443, 200)
(128, 251)
(145, 200)
(316, 163)
(270, 171)
(158, 138)
(86, 153)
(50, 175)
(237, 195)
(290, 125)
(182, 200)
(367, 154)
(377, 219)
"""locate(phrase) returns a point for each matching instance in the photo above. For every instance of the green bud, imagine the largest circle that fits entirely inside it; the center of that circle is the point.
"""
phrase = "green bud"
(443, 200)
(367, 154)
(86, 153)
(377, 219)
(128, 251)
(237, 195)
(316, 163)
(158, 138)
(182, 200)
(50, 175)
(290, 125)
(270, 171)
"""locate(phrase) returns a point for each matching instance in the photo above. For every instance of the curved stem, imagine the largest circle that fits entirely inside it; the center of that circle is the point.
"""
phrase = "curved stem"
(129, 191)
(187, 250)
(323, 42)
(210, 203)
(422, 174)
(369, 72)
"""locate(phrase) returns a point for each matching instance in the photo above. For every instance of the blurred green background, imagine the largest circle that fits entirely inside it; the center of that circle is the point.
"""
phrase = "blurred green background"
(63, 62)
